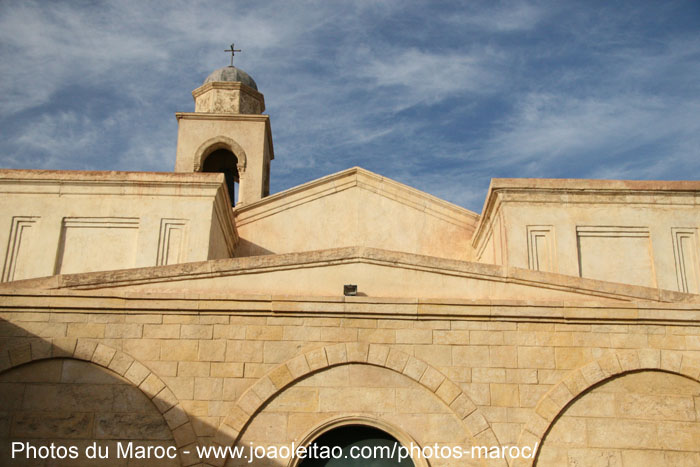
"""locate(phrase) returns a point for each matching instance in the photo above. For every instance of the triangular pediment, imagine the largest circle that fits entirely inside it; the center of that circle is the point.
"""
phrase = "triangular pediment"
(355, 207)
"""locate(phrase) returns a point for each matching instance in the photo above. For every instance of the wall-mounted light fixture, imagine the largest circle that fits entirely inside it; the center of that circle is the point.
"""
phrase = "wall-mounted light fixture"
(350, 290)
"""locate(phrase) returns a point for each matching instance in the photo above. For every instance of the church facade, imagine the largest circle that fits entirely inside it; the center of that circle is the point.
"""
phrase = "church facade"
(159, 318)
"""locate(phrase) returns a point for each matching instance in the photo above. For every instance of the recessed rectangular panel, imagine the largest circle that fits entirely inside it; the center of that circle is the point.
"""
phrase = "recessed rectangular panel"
(616, 254)
(19, 247)
(540, 245)
(97, 244)
(685, 250)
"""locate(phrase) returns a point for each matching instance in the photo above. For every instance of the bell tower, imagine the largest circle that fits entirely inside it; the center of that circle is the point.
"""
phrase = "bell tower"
(227, 133)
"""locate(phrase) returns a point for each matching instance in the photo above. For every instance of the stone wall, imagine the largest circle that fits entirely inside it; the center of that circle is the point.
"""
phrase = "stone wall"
(641, 418)
(236, 375)
(75, 403)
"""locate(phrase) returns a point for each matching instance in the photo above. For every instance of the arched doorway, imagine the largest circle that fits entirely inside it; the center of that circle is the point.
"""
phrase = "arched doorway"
(226, 162)
(355, 445)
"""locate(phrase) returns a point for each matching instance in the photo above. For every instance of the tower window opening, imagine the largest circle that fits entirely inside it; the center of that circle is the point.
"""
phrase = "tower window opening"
(226, 162)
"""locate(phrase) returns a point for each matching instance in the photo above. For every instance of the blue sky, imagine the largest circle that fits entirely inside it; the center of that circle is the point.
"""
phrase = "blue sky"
(441, 96)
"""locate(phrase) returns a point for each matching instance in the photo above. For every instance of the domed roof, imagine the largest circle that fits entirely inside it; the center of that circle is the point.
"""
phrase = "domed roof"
(231, 73)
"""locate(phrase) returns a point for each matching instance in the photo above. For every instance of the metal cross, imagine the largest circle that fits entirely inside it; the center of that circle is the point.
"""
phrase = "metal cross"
(233, 52)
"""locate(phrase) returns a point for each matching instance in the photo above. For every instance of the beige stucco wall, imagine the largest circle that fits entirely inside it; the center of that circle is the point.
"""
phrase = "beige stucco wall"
(55, 222)
(640, 233)
(355, 208)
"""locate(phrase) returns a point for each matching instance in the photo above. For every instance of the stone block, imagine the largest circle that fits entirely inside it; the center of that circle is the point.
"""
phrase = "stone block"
(336, 354)
(436, 355)
(450, 337)
(396, 360)
(244, 351)
(175, 417)
(503, 356)
(40, 349)
(226, 331)
(377, 336)
(161, 331)
(357, 400)
(536, 357)
(137, 373)
(103, 355)
(448, 391)
(182, 386)
(184, 435)
(120, 363)
(476, 423)
(165, 400)
(129, 426)
(472, 356)
(278, 352)
(196, 331)
(264, 388)
(142, 349)
(123, 331)
(592, 373)
(85, 330)
(462, 406)
(297, 399)
(316, 359)
(226, 369)
(432, 379)
(84, 349)
(265, 333)
(180, 350)
(377, 354)
(333, 334)
(208, 389)
(357, 351)
(63, 347)
(415, 368)
(504, 395)
(622, 434)
(51, 426)
(414, 336)
(152, 385)
(193, 368)
(302, 333)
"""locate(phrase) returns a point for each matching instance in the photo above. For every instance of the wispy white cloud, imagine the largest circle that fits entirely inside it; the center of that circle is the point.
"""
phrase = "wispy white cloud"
(440, 96)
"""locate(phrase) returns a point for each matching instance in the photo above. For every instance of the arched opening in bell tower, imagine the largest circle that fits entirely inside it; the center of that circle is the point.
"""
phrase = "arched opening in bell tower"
(226, 162)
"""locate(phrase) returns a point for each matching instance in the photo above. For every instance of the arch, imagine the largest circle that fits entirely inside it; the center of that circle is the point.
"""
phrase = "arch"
(581, 380)
(219, 142)
(120, 363)
(401, 436)
(253, 400)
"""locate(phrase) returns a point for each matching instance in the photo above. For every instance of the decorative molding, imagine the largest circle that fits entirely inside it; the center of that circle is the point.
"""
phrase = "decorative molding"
(168, 251)
(611, 231)
(18, 229)
(101, 222)
(685, 252)
(541, 254)
(162, 275)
